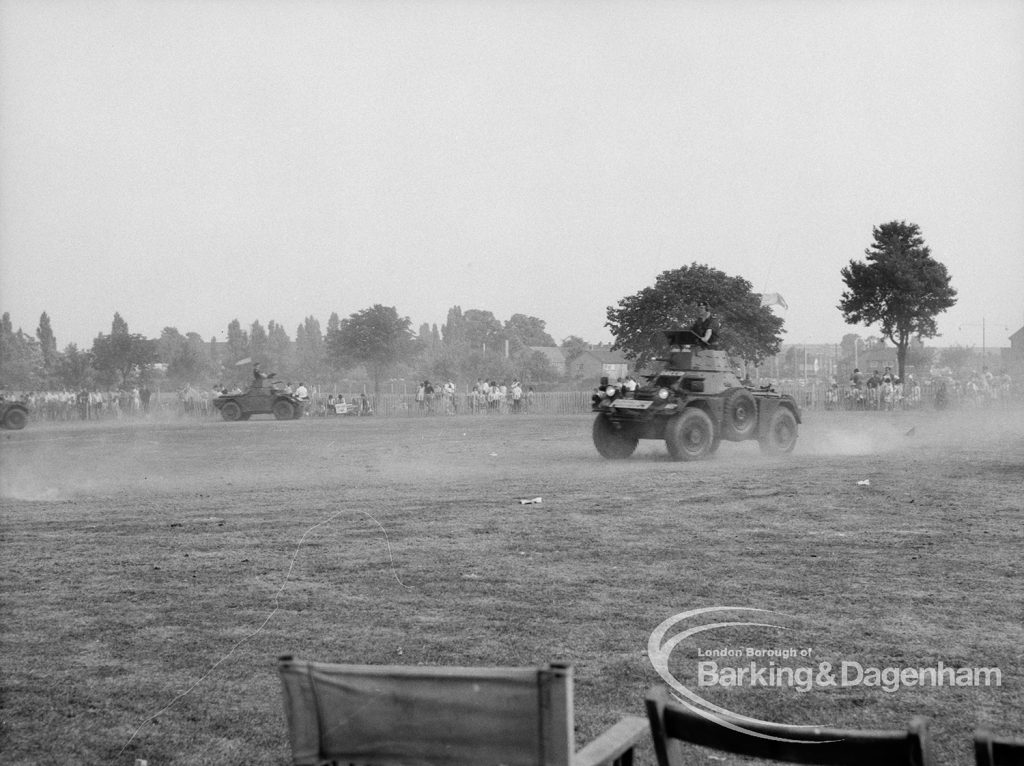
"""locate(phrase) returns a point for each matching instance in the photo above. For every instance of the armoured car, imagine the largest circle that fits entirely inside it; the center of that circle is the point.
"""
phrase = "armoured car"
(261, 398)
(694, 403)
(13, 415)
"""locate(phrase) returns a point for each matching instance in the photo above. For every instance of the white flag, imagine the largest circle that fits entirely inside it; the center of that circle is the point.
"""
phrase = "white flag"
(773, 299)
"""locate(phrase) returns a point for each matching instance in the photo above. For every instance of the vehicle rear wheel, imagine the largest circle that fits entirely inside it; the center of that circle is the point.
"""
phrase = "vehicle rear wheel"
(690, 435)
(612, 443)
(15, 419)
(230, 411)
(739, 414)
(283, 409)
(780, 436)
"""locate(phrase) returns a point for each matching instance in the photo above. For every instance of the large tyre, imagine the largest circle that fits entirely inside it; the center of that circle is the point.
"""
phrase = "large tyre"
(612, 443)
(780, 436)
(15, 419)
(739, 415)
(690, 435)
(231, 411)
(283, 410)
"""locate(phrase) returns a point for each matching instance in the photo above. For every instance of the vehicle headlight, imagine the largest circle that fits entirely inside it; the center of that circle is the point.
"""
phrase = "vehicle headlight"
(610, 392)
(663, 393)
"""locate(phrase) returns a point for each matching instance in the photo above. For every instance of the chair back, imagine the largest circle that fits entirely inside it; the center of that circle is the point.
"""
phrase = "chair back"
(672, 723)
(378, 714)
(993, 751)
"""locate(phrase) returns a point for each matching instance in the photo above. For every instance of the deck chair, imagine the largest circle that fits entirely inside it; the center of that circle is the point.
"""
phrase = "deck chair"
(390, 714)
(672, 723)
(992, 751)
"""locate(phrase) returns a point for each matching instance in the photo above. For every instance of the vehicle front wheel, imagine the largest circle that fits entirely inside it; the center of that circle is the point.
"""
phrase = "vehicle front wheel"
(283, 410)
(690, 435)
(780, 436)
(15, 419)
(612, 443)
(739, 414)
(230, 411)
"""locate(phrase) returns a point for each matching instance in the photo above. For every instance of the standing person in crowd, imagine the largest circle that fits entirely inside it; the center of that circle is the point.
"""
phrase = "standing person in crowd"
(517, 396)
(448, 391)
(428, 395)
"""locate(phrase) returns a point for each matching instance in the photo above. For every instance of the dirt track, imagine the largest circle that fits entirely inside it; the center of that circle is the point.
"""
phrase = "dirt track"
(118, 534)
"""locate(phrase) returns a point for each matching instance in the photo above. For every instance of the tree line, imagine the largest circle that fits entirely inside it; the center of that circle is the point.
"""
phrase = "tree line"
(899, 287)
(374, 345)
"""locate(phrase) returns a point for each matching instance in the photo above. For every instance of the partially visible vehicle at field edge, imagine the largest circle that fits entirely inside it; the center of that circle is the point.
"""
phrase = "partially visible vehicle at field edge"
(260, 400)
(694, 403)
(13, 415)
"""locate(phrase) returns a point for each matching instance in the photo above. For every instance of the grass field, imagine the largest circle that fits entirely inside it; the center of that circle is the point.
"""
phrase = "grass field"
(152, 572)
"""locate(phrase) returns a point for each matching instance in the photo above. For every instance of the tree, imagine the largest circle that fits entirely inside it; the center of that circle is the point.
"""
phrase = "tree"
(535, 367)
(74, 368)
(900, 287)
(525, 331)
(528, 330)
(121, 355)
(376, 338)
(453, 331)
(237, 343)
(258, 342)
(47, 344)
(21, 358)
(484, 331)
(573, 346)
(749, 331)
(309, 349)
(278, 346)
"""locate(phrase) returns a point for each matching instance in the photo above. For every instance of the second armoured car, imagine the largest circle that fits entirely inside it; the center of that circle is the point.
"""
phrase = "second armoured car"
(260, 399)
(694, 403)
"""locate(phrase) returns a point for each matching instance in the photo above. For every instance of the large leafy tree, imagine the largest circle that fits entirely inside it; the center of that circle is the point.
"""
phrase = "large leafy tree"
(376, 338)
(484, 331)
(74, 368)
(528, 330)
(121, 355)
(184, 355)
(749, 331)
(899, 287)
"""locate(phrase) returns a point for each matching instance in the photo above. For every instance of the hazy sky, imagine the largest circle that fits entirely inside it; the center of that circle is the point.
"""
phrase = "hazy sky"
(189, 163)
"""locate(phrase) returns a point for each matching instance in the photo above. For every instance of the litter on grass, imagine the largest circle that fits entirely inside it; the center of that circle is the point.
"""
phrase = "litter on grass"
(530, 501)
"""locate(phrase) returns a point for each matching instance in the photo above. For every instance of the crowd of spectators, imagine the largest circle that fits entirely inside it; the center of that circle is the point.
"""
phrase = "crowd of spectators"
(879, 390)
(84, 404)
(886, 391)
